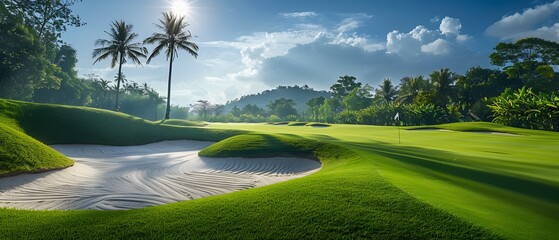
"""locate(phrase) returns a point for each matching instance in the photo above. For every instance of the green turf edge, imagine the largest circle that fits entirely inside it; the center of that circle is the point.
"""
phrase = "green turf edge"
(20, 153)
(297, 124)
(181, 122)
(481, 127)
(317, 124)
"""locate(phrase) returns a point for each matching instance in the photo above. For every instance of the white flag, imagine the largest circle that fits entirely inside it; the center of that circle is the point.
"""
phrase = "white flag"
(397, 116)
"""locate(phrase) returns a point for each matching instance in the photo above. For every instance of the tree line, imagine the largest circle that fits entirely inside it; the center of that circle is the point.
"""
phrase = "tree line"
(36, 65)
(521, 92)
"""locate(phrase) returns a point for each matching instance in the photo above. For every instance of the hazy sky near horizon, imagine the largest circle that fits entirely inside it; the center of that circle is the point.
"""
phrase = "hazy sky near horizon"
(247, 46)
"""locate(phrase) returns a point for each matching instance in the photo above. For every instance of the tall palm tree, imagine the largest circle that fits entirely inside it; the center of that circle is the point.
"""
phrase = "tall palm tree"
(119, 47)
(174, 37)
(387, 92)
(443, 86)
(410, 87)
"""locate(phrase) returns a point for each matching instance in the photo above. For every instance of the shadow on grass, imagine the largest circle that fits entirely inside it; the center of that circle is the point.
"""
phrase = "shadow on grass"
(440, 161)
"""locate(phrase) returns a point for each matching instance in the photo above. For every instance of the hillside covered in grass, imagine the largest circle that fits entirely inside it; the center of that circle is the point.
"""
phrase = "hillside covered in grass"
(28, 127)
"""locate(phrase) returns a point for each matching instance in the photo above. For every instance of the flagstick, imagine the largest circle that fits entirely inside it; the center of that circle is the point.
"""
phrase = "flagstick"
(399, 131)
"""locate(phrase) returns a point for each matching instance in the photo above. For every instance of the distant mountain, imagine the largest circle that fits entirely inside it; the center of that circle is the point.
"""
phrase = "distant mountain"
(300, 95)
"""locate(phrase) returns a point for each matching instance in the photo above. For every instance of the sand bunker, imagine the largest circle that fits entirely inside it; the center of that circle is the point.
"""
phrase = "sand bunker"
(113, 178)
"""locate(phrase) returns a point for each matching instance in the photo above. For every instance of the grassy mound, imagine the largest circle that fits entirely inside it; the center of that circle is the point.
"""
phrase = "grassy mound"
(481, 127)
(181, 122)
(316, 124)
(20, 153)
(296, 123)
(27, 127)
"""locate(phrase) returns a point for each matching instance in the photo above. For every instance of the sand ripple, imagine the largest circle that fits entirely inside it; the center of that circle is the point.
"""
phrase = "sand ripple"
(114, 178)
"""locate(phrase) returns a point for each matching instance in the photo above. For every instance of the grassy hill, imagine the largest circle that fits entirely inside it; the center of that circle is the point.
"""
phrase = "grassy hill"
(27, 127)
(300, 95)
(461, 183)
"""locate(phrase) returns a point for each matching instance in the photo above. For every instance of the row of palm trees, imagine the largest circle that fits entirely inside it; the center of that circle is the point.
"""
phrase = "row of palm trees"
(121, 48)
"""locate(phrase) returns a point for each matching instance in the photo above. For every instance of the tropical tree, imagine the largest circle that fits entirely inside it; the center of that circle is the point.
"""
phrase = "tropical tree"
(358, 98)
(203, 107)
(387, 92)
(343, 86)
(411, 87)
(443, 86)
(174, 37)
(314, 105)
(527, 59)
(282, 107)
(119, 48)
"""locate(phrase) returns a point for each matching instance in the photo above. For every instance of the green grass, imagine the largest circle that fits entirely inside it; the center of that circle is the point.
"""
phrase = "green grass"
(317, 124)
(508, 184)
(436, 184)
(20, 153)
(27, 127)
(297, 124)
(181, 122)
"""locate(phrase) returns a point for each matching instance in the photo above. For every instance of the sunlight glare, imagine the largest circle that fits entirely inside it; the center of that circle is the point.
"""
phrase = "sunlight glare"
(180, 7)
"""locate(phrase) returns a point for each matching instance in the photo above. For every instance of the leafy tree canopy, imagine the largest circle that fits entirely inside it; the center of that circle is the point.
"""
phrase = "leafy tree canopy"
(343, 86)
(527, 59)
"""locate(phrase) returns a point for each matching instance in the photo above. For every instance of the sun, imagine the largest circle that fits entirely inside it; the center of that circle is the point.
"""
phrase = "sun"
(180, 7)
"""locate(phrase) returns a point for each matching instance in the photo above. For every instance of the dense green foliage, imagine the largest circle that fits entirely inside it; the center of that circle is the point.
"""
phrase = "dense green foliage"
(524, 108)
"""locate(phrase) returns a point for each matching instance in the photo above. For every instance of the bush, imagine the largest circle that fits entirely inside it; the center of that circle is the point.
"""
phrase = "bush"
(273, 118)
(348, 117)
(523, 108)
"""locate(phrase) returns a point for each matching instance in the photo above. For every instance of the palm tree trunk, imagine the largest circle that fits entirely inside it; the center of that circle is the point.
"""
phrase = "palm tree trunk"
(168, 111)
(118, 81)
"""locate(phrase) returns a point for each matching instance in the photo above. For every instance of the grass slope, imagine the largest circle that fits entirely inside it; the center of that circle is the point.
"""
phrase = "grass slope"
(21, 153)
(508, 184)
(347, 199)
(27, 127)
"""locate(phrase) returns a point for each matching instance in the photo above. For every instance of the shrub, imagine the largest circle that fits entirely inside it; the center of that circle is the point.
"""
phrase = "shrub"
(273, 118)
(523, 108)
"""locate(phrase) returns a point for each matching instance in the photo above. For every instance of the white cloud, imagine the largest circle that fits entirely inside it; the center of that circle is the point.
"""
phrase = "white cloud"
(519, 25)
(348, 25)
(437, 47)
(450, 26)
(421, 40)
(402, 44)
(422, 34)
(298, 14)
(353, 22)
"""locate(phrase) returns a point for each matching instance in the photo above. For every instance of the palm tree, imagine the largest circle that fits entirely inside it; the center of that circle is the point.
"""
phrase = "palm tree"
(443, 86)
(387, 92)
(174, 38)
(120, 48)
(410, 87)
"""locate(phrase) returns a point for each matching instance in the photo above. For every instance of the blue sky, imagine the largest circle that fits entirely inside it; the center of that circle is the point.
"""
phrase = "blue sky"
(247, 46)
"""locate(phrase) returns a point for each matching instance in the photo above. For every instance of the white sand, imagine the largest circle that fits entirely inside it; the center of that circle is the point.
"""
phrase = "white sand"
(112, 178)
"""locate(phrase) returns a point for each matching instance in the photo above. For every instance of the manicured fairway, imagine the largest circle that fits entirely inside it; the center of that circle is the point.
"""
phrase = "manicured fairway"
(435, 184)
(508, 183)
